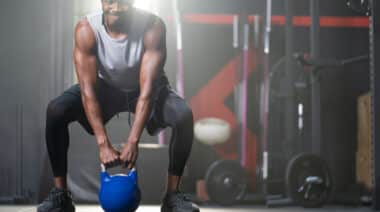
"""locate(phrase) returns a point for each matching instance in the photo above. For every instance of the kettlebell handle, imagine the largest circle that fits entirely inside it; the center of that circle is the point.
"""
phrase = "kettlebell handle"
(104, 168)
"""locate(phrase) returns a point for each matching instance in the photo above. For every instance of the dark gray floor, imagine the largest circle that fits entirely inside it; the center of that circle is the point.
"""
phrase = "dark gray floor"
(94, 208)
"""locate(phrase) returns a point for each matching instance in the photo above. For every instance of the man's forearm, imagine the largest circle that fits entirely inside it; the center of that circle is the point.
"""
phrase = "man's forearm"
(142, 112)
(94, 116)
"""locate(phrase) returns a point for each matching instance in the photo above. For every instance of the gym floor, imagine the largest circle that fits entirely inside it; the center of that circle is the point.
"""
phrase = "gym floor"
(95, 208)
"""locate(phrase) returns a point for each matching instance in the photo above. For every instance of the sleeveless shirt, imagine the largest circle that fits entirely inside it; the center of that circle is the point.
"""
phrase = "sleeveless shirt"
(119, 60)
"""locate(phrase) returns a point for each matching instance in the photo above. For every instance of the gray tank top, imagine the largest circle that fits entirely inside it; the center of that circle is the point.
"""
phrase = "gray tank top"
(119, 60)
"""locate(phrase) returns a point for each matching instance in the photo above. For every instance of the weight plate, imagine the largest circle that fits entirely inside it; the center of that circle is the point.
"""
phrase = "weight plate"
(308, 167)
(226, 182)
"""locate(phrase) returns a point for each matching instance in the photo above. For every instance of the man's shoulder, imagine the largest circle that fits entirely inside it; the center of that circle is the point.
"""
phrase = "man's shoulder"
(90, 23)
(149, 17)
(84, 35)
(83, 25)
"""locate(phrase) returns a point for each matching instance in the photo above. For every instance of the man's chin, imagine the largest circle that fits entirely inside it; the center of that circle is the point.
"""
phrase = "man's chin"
(116, 19)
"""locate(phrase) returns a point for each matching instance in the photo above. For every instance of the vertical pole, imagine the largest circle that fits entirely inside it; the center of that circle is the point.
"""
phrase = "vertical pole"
(256, 30)
(375, 91)
(21, 150)
(244, 96)
(315, 88)
(290, 105)
(180, 71)
(16, 181)
(237, 89)
(162, 137)
(265, 93)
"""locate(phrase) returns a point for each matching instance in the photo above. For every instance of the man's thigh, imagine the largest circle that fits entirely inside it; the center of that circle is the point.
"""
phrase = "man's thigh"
(171, 108)
(109, 99)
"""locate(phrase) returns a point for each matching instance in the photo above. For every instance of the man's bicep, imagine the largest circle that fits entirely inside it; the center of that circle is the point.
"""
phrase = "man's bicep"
(154, 57)
(85, 64)
(150, 70)
(155, 49)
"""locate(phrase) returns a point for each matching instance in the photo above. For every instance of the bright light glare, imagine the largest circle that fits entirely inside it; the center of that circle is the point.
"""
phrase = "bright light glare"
(148, 5)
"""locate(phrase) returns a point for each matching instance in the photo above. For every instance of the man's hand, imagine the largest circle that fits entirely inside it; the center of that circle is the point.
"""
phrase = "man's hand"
(108, 155)
(129, 154)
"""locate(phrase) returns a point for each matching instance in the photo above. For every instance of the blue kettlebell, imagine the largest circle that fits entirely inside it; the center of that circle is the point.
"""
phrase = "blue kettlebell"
(120, 192)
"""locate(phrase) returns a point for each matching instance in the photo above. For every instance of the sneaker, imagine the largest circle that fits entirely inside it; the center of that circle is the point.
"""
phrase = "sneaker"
(58, 200)
(178, 202)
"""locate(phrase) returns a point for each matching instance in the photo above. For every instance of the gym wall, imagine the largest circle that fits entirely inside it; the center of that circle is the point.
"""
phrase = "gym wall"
(35, 65)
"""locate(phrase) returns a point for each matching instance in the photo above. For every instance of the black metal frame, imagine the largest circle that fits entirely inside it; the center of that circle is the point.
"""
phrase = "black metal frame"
(375, 91)
(315, 89)
(290, 107)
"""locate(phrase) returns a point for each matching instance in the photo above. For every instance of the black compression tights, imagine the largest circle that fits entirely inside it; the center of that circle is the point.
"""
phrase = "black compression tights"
(68, 108)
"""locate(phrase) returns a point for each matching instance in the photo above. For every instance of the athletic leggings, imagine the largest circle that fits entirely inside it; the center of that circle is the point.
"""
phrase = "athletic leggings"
(167, 110)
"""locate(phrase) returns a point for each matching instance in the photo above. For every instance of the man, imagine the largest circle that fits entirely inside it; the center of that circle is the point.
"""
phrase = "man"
(119, 57)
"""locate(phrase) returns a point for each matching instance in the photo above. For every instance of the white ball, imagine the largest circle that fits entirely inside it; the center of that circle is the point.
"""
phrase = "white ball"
(212, 131)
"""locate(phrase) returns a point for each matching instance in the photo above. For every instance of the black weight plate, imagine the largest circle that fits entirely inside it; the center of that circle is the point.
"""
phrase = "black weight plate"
(359, 6)
(299, 168)
(226, 182)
